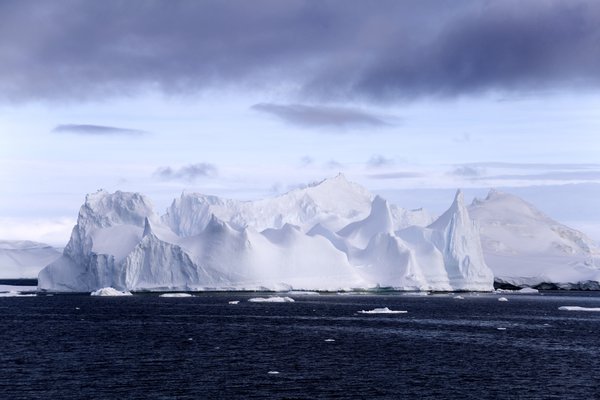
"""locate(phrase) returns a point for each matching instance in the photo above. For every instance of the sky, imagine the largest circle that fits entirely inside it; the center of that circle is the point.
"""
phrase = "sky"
(250, 99)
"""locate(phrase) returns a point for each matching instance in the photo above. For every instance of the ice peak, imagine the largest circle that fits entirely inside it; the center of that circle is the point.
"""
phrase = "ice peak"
(456, 211)
(147, 227)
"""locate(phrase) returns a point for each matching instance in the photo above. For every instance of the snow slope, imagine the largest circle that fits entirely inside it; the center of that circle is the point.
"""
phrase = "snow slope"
(289, 242)
(524, 247)
(24, 259)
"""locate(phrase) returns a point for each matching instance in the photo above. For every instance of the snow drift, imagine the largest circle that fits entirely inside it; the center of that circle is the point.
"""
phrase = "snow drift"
(333, 235)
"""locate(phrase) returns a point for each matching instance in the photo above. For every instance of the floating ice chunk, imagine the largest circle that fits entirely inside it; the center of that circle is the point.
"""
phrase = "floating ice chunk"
(109, 291)
(501, 329)
(502, 299)
(175, 295)
(330, 340)
(234, 302)
(272, 299)
(459, 298)
(273, 372)
(528, 290)
(577, 308)
(16, 294)
(383, 310)
(303, 293)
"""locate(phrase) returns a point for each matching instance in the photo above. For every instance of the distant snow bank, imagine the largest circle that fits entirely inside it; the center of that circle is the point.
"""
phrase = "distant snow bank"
(383, 310)
(272, 299)
(108, 291)
(577, 308)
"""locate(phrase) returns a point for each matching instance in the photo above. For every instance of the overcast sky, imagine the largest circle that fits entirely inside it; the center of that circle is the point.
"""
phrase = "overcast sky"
(247, 99)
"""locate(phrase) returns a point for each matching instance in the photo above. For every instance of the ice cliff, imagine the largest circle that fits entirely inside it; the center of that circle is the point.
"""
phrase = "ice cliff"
(328, 236)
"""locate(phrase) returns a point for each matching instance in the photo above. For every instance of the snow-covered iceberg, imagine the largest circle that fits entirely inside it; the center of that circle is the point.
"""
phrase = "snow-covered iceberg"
(333, 235)
(22, 259)
(525, 248)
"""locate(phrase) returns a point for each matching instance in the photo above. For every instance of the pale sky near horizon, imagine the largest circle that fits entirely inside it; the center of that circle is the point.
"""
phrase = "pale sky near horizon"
(251, 99)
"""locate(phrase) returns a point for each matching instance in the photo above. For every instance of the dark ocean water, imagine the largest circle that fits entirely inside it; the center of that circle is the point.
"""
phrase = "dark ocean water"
(147, 347)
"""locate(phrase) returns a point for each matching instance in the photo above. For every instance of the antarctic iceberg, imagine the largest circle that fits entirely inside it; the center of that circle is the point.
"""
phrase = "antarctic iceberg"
(333, 235)
(525, 248)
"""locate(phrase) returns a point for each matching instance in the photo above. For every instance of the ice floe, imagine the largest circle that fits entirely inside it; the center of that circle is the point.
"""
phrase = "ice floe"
(383, 310)
(578, 308)
(175, 295)
(272, 299)
(108, 291)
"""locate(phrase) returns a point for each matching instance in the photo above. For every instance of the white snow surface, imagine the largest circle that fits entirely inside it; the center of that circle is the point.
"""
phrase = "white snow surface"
(330, 236)
(525, 248)
(20, 259)
(383, 310)
(108, 291)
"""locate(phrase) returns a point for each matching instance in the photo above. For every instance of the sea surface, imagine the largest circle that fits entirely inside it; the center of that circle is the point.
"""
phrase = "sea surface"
(318, 347)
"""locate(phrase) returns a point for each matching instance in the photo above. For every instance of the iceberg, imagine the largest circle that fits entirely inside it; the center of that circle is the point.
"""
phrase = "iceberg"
(525, 248)
(23, 259)
(330, 236)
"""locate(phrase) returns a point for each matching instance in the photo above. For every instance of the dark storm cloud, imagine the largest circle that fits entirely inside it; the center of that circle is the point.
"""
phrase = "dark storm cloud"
(187, 173)
(321, 116)
(96, 130)
(328, 50)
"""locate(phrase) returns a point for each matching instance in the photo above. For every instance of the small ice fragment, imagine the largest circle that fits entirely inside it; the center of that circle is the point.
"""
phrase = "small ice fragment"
(109, 291)
(502, 299)
(272, 299)
(459, 297)
(501, 329)
(383, 310)
(577, 308)
(234, 302)
(528, 290)
(77, 308)
(175, 295)
(190, 339)
(273, 372)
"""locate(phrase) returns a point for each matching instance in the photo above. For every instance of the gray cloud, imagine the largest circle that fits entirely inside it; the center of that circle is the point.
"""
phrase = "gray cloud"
(320, 116)
(467, 171)
(328, 50)
(306, 161)
(379, 161)
(396, 175)
(188, 173)
(565, 176)
(532, 166)
(96, 130)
